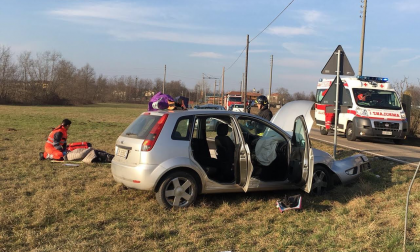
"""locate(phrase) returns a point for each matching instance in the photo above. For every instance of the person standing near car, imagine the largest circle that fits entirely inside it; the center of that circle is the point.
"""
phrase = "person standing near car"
(264, 111)
(55, 147)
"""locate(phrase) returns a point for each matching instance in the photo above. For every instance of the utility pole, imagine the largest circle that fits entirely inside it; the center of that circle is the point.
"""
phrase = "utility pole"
(220, 94)
(214, 92)
(202, 90)
(208, 77)
(164, 80)
(362, 43)
(242, 86)
(246, 69)
(271, 79)
(223, 87)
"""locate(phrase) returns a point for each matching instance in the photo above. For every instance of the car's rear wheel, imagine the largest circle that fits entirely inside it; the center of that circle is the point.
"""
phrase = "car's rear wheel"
(178, 189)
(350, 134)
(321, 181)
(323, 130)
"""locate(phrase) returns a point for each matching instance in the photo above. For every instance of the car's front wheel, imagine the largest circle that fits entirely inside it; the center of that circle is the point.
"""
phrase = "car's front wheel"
(321, 181)
(178, 189)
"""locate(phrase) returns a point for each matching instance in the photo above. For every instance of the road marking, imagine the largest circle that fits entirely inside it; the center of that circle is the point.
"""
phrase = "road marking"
(368, 152)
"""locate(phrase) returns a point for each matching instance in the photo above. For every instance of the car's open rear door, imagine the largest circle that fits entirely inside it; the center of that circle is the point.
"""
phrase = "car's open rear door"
(301, 164)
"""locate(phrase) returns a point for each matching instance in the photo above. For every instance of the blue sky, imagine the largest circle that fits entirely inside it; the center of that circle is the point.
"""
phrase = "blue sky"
(193, 37)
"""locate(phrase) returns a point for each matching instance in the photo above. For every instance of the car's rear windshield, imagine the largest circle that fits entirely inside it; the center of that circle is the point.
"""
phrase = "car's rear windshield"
(141, 127)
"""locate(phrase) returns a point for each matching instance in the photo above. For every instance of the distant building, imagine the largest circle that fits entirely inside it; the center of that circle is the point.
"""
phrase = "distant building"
(274, 98)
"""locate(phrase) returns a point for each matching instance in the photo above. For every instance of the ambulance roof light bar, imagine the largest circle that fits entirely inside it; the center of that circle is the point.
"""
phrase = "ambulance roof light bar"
(369, 79)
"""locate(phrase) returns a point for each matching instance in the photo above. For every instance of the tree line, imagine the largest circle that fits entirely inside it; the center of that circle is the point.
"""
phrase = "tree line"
(49, 79)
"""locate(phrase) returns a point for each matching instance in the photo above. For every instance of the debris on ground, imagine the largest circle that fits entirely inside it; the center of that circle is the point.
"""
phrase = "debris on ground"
(290, 203)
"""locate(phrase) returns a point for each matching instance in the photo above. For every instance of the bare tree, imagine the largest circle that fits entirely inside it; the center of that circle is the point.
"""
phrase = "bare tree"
(7, 73)
(284, 95)
(299, 96)
(85, 81)
(401, 86)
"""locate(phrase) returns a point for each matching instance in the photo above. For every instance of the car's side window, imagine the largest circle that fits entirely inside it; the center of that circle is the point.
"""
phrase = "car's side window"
(251, 126)
(182, 129)
(299, 134)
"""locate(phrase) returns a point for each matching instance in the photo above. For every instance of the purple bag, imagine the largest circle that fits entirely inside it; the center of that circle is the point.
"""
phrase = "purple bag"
(160, 101)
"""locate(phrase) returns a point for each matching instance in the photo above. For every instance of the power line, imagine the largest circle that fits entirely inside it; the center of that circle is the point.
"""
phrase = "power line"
(272, 21)
(259, 34)
(236, 59)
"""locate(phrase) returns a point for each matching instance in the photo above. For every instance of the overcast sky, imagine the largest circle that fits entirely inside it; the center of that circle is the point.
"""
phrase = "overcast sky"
(193, 37)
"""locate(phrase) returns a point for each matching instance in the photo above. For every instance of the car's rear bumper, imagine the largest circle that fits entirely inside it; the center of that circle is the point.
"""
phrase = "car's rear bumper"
(138, 177)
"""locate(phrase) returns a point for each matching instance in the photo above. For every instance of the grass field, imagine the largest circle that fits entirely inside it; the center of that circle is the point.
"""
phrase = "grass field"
(50, 207)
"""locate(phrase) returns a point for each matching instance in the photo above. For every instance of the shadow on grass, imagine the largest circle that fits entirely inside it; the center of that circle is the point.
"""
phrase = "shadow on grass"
(378, 178)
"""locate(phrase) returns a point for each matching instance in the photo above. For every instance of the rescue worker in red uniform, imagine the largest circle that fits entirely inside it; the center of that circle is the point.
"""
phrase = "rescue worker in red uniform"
(55, 147)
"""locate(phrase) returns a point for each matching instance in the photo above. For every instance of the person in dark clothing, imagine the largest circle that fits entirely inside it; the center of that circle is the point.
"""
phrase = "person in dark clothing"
(262, 104)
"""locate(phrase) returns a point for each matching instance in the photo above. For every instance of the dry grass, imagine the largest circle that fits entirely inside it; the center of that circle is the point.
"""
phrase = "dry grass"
(49, 207)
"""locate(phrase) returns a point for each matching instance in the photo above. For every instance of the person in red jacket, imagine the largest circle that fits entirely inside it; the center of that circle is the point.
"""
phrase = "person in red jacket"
(55, 147)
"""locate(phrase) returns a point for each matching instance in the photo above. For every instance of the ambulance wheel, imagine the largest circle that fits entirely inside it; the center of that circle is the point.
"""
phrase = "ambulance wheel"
(350, 134)
(323, 131)
(398, 141)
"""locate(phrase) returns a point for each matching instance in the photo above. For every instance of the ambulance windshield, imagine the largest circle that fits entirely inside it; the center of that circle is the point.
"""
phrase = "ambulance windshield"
(374, 98)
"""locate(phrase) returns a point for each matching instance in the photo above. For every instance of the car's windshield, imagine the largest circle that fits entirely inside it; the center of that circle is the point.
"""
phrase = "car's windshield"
(239, 106)
(375, 98)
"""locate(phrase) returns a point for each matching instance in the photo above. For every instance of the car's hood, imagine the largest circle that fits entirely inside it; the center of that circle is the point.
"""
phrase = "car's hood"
(285, 117)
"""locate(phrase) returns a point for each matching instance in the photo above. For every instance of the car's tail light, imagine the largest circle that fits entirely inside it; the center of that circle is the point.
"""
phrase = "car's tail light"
(151, 139)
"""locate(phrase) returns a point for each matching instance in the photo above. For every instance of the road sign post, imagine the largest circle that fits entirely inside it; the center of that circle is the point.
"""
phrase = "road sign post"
(341, 66)
(336, 102)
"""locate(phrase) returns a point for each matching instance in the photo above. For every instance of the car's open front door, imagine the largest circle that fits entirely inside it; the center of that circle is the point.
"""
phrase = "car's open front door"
(244, 170)
(301, 164)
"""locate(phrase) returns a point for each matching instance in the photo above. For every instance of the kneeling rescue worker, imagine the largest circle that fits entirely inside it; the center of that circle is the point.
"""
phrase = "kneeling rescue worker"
(56, 145)
(262, 104)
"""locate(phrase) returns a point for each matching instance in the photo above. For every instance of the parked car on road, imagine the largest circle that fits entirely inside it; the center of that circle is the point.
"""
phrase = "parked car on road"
(237, 107)
(176, 155)
(211, 124)
(210, 106)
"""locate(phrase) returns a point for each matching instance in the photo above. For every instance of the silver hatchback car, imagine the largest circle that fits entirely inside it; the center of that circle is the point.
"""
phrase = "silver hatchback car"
(175, 155)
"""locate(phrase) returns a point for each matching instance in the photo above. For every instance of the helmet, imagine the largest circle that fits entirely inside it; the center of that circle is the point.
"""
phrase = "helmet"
(262, 99)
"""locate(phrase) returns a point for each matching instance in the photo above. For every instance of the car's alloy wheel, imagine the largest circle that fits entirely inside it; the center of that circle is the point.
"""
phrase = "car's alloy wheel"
(321, 181)
(178, 189)
(350, 132)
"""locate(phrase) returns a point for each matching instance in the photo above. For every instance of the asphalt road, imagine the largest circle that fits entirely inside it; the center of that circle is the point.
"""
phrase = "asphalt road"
(409, 152)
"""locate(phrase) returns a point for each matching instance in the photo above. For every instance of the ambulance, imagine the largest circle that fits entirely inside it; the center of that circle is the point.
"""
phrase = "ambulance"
(369, 108)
